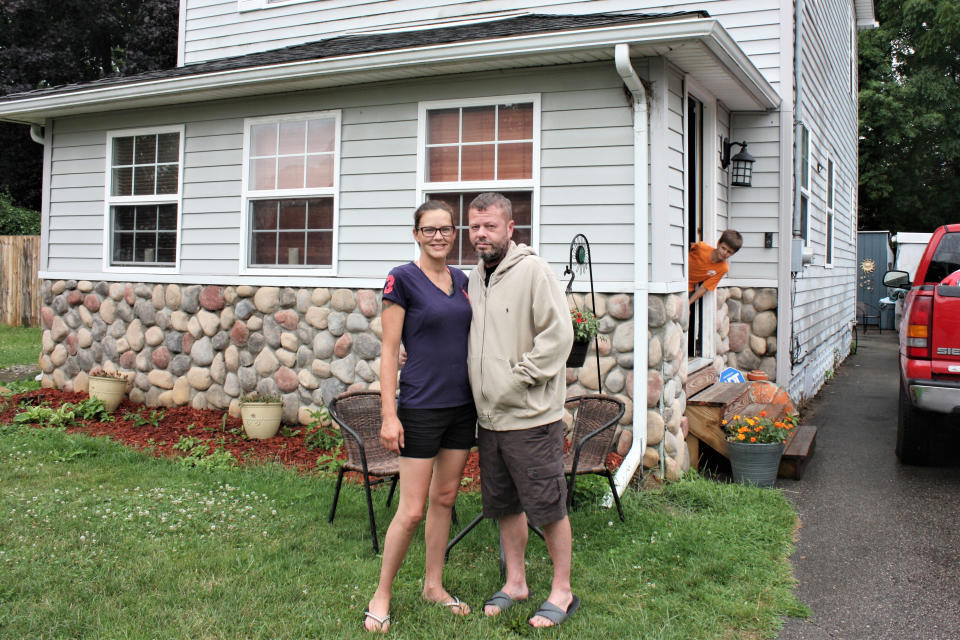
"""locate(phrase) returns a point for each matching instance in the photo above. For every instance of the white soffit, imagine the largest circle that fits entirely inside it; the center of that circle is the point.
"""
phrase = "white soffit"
(700, 47)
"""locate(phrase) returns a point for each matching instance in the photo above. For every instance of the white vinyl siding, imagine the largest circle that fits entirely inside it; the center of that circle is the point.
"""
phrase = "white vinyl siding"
(219, 28)
(586, 182)
(823, 302)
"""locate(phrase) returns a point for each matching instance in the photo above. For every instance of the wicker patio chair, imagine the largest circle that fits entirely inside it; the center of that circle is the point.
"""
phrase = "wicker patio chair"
(358, 414)
(595, 418)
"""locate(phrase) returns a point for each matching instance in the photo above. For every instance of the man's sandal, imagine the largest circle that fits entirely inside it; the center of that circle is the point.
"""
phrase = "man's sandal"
(555, 614)
(503, 602)
(380, 622)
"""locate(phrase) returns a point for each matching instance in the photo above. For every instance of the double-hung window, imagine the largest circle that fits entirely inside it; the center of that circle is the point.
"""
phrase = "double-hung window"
(144, 179)
(488, 144)
(804, 151)
(290, 184)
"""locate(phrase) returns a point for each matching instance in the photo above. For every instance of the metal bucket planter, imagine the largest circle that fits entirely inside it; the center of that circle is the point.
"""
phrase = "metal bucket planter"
(578, 354)
(261, 420)
(108, 390)
(753, 463)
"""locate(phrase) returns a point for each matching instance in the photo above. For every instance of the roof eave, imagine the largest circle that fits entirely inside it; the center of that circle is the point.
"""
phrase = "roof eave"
(516, 51)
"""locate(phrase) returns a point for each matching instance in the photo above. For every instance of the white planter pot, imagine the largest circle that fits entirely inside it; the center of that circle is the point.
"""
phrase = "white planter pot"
(108, 390)
(261, 420)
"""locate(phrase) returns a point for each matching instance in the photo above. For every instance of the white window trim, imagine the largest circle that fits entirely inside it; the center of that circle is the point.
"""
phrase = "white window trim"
(248, 194)
(109, 200)
(830, 213)
(532, 184)
(253, 5)
(805, 188)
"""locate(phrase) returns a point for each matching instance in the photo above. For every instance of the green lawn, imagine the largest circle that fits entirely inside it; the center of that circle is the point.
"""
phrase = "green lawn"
(19, 345)
(100, 541)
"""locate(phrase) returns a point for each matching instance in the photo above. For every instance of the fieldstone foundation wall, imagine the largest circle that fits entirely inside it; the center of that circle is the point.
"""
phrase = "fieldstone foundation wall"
(208, 345)
(747, 329)
(667, 318)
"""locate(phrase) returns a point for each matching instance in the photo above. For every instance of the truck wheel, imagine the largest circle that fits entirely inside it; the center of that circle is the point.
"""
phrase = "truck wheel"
(912, 432)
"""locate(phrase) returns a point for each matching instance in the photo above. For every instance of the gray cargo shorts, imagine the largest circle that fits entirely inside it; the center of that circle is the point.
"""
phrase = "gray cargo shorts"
(522, 471)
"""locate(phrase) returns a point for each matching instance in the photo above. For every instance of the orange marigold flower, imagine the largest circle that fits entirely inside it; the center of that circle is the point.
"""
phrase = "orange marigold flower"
(736, 417)
(753, 439)
(763, 413)
(723, 422)
(741, 437)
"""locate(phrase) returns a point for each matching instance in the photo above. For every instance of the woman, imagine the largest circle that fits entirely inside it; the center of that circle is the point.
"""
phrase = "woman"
(432, 424)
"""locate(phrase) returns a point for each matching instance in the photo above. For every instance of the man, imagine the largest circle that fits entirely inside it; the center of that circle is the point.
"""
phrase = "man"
(520, 337)
(709, 265)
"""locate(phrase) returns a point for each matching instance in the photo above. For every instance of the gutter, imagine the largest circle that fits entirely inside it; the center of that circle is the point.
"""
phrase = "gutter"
(641, 278)
(659, 38)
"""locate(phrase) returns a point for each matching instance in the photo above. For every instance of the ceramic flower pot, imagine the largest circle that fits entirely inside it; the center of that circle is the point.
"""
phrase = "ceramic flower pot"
(754, 463)
(578, 354)
(110, 391)
(261, 420)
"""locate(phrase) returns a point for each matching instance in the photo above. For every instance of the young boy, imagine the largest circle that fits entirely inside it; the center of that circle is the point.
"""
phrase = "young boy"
(709, 265)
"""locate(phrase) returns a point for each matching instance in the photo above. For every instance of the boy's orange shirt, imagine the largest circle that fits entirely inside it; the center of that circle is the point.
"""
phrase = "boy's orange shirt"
(702, 270)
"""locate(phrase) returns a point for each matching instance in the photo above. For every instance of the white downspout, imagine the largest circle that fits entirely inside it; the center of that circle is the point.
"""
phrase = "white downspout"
(641, 199)
(37, 134)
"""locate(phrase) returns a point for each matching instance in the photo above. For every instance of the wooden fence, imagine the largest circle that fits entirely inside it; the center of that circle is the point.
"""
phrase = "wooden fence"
(19, 284)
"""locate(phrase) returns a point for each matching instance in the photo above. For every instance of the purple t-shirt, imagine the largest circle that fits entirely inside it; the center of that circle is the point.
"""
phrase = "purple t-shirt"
(435, 330)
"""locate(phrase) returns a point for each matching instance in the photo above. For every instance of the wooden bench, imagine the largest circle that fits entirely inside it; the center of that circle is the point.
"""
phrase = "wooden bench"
(798, 452)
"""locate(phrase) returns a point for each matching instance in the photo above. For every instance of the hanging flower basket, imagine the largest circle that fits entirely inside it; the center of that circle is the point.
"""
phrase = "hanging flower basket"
(578, 354)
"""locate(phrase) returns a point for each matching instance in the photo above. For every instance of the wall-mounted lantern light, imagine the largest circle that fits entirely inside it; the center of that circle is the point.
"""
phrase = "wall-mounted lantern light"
(742, 163)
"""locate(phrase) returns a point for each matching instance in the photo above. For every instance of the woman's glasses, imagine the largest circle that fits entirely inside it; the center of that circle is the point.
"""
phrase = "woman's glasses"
(429, 232)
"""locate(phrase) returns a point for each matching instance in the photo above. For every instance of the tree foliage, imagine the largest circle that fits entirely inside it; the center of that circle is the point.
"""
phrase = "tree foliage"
(47, 43)
(910, 116)
(17, 221)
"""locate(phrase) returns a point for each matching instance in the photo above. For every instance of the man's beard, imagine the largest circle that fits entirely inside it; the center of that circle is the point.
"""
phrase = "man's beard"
(494, 254)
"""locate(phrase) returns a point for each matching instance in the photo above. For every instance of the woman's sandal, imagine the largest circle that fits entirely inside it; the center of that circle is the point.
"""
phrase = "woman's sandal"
(456, 606)
(380, 622)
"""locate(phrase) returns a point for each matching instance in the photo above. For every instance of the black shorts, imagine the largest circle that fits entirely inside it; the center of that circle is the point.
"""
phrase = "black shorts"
(426, 431)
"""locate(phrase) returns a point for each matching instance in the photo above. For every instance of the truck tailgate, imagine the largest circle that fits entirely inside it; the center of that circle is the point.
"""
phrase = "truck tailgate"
(945, 341)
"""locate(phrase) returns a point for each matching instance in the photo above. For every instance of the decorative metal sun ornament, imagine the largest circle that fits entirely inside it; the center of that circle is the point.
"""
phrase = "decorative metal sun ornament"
(578, 261)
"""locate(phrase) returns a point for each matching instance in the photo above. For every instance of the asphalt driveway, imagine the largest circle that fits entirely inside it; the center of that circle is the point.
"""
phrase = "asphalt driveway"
(878, 554)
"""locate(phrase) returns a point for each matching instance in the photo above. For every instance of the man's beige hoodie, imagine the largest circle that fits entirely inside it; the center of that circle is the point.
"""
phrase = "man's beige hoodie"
(520, 338)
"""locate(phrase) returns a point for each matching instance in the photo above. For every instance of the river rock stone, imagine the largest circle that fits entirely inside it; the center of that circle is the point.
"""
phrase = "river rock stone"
(239, 333)
(286, 358)
(248, 378)
(320, 297)
(287, 319)
(286, 379)
(345, 369)
(227, 318)
(209, 322)
(366, 346)
(343, 345)
(739, 336)
(271, 332)
(190, 298)
(211, 298)
(765, 324)
(245, 291)
(317, 317)
(180, 364)
(367, 303)
(231, 358)
(255, 343)
(202, 351)
(289, 341)
(654, 388)
(231, 386)
(337, 323)
(343, 300)
(330, 389)
(356, 322)
(245, 309)
(218, 370)
(267, 299)
(266, 363)
(655, 427)
(220, 340)
(199, 378)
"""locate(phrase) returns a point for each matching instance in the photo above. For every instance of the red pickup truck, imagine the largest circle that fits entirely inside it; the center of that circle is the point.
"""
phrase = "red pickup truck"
(929, 346)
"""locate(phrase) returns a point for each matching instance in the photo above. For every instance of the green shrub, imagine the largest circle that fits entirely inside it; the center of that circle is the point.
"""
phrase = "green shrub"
(17, 221)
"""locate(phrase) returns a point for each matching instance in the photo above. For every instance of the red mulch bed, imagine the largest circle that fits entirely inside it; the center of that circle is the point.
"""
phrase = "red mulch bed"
(209, 426)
